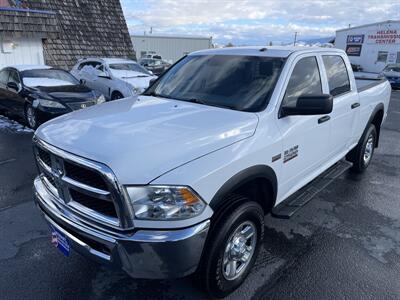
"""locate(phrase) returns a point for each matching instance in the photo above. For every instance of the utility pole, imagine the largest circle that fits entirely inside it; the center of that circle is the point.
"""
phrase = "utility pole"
(295, 39)
(151, 30)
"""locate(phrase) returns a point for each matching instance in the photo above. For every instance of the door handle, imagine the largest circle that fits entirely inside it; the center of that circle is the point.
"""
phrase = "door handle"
(355, 105)
(323, 119)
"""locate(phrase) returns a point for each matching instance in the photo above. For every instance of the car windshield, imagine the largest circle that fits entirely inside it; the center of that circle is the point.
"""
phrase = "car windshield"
(47, 77)
(237, 82)
(128, 67)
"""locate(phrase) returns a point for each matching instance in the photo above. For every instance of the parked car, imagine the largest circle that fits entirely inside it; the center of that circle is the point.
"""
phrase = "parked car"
(156, 66)
(392, 73)
(113, 77)
(155, 56)
(180, 181)
(39, 93)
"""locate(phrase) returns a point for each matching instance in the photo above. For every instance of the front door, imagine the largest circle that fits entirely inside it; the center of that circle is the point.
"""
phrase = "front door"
(305, 138)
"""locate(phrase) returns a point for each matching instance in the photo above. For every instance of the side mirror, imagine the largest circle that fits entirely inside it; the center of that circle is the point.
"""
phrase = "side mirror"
(13, 86)
(82, 81)
(103, 74)
(310, 105)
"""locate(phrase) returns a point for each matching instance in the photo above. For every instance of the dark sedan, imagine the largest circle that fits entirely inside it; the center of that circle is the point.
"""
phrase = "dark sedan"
(40, 93)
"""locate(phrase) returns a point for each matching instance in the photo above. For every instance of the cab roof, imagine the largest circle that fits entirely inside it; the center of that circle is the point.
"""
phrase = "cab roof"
(268, 51)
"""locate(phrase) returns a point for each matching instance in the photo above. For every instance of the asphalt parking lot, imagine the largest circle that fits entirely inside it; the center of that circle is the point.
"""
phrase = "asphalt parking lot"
(345, 244)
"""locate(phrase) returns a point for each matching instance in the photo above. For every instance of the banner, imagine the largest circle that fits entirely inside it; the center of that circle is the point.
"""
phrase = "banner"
(353, 50)
(355, 39)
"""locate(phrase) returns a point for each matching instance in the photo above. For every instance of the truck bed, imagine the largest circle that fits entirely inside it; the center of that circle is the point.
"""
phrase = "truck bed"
(367, 83)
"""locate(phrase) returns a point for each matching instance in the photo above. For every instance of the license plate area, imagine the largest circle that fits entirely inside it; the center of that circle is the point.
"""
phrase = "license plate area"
(60, 241)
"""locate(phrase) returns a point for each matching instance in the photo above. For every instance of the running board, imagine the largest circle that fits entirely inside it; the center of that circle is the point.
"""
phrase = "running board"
(291, 205)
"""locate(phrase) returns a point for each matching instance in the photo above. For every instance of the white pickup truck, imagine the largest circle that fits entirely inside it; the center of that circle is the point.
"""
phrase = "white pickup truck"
(179, 179)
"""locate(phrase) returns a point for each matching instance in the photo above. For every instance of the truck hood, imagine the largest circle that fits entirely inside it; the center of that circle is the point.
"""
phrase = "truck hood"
(145, 138)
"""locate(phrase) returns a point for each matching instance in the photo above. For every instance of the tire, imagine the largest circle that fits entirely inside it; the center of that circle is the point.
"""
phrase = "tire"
(216, 273)
(116, 96)
(361, 156)
(31, 117)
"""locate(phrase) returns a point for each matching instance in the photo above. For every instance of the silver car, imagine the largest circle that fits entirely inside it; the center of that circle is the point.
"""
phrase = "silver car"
(115, 78)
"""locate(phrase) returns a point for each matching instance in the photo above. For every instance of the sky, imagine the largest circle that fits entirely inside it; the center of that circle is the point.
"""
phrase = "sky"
(254, 22)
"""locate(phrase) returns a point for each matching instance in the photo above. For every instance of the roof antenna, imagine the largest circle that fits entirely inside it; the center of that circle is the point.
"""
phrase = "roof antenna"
(263, 49)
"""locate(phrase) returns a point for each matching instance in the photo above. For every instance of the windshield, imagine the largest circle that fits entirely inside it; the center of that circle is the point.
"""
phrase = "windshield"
(129, 67)
(47, 77)
(238, 82)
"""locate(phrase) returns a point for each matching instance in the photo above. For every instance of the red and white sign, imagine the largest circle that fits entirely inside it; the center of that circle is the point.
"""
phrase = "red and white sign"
(386, 37)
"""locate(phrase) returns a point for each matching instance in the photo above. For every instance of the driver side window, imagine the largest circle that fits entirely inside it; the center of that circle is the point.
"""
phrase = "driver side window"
(305, 80)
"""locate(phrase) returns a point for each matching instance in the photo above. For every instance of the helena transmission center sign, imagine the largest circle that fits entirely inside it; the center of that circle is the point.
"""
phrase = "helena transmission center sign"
(390, 36)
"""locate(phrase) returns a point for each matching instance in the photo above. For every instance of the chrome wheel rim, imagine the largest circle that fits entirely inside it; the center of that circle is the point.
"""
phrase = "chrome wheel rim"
(239, 250)
(369, 148)
(30, 115)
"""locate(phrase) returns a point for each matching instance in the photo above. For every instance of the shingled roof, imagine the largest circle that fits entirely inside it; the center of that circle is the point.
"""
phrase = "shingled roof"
(85, 28)
(17, 22)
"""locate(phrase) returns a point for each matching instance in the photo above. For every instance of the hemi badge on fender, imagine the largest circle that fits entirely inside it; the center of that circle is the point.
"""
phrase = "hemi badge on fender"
(276, 157)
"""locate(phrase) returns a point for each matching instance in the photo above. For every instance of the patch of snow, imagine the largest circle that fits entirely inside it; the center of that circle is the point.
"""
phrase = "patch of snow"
(9, 125)
(42, 81)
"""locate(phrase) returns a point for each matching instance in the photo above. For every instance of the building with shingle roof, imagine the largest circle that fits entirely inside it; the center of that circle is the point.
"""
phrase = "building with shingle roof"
(59, 32)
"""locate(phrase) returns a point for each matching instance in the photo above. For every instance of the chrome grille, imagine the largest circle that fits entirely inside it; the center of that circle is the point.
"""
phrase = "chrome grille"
(85, 187)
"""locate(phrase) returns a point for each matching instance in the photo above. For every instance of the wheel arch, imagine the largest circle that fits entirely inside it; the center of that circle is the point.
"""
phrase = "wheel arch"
(376, 118)
(258, 183)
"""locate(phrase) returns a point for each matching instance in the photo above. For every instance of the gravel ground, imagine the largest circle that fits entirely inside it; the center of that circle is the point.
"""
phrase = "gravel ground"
(344, 244)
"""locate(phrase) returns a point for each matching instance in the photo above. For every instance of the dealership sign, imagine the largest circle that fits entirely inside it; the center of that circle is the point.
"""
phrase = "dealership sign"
(389, 36)
(353, 50)
(355, 39)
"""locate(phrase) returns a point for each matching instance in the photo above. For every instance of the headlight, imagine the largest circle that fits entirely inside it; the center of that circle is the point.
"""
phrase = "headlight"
(137, 90)
(50, 104)
(101, 99)
(165, 202)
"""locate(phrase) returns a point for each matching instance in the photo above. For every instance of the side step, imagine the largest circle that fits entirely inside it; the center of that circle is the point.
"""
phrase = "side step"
(291, 205)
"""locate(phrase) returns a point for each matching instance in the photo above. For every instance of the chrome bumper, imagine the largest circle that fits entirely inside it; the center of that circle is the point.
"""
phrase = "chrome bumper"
(141, 253)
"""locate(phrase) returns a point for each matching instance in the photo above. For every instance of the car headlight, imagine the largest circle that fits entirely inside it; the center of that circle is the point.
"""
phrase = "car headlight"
(165, 202)
(137, 90)
(49, 103)
(101, 99)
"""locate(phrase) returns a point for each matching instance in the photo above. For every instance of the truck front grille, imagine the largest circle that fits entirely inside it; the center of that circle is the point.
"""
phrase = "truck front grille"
(85, 187)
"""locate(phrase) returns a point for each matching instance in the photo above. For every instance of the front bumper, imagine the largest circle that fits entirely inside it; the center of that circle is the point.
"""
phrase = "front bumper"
(140, 253)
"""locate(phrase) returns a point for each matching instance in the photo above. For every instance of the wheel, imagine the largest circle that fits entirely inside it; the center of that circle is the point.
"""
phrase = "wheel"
(116, 95)
(361, 155)
(31, 117)
(232, 247)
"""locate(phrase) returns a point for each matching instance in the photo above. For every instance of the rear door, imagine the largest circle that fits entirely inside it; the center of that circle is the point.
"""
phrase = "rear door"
(345, 103)
(305, 138)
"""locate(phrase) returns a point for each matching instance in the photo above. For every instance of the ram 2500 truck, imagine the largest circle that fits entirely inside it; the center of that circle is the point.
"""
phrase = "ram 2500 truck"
(179, 179)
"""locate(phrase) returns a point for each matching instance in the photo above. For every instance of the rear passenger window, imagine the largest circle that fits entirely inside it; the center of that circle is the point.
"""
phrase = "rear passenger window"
(338, 78)
(305, 80)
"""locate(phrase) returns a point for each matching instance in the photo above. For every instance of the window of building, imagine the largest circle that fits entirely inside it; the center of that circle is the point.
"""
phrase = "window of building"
(338, 78)
(305, 80)
(382, 56)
